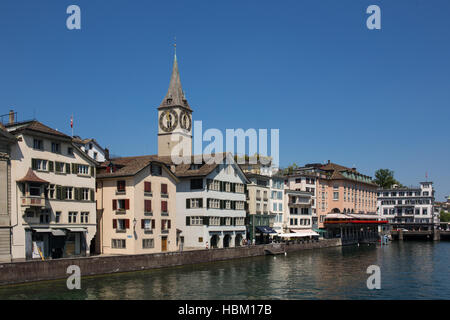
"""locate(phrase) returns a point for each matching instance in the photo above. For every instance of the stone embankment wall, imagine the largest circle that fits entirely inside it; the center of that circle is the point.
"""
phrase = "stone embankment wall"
(36, 270)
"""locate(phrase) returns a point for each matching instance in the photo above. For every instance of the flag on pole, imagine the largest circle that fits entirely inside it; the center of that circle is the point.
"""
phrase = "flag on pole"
(71, 121)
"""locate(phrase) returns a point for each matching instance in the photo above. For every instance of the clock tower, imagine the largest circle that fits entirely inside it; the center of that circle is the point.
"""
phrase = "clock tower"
(175, 119)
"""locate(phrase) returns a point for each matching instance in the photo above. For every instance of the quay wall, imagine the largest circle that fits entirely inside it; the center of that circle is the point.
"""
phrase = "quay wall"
(36, 270)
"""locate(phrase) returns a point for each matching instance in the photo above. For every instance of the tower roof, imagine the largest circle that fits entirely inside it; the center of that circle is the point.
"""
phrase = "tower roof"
(175, 95)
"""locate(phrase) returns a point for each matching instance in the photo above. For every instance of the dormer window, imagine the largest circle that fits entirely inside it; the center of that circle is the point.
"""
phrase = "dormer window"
(110, 168)
(169, 101)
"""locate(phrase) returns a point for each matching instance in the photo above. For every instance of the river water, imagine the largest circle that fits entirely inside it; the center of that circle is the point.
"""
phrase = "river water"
(409, 270)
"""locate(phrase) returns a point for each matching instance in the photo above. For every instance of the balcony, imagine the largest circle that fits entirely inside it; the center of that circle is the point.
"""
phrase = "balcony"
(33, 201)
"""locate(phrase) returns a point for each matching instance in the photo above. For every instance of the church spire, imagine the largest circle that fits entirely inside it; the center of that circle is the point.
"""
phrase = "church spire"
(175, 95)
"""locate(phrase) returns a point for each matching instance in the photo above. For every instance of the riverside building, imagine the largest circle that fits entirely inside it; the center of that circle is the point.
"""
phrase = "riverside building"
(52, 194)
(6, 141)
(409, 208)
(136, 206)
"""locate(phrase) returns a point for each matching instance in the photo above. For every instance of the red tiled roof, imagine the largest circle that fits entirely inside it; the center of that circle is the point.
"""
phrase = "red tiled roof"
(32, 177)
(37, 126)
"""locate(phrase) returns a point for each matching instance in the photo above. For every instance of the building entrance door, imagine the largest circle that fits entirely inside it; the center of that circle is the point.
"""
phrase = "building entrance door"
(164, 244)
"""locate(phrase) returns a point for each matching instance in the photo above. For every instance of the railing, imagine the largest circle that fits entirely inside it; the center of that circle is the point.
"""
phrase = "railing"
(33, 201)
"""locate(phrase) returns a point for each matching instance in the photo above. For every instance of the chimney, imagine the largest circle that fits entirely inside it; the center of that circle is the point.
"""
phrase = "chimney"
(11, 116)
(329, 161)
(106, 153)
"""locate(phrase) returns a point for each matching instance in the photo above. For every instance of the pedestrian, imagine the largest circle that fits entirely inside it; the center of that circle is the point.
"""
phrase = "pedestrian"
(207, 247)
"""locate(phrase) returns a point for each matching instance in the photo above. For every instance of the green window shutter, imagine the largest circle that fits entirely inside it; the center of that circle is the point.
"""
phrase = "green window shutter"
(92, 195)
(58, 192)
(68, 168)
(188, 203)
(33, 164)
(73, 168)
(51, 166)
(207, 203)
(188, 221)
(206, 221)
(77, 194)
(201, 203)
(92, 171)
(63, 193)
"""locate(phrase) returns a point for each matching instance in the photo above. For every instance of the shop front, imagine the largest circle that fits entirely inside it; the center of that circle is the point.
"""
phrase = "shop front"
(55, 243)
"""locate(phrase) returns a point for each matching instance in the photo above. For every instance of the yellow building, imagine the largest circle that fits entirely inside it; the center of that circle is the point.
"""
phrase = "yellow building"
(136, 206)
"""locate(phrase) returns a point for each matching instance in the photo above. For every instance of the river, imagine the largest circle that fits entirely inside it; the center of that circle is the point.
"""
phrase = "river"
(409, 270)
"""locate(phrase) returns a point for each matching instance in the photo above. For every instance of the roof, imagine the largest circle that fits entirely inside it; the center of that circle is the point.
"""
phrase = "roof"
(35, 126)
(175, 95)
(126, 166)
(344, 173)
(78, 140)
(4, 134)
(129, 166)
(256, 175)
(31, 177)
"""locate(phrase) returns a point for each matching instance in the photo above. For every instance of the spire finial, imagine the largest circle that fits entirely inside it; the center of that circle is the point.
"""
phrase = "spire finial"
(175, 46)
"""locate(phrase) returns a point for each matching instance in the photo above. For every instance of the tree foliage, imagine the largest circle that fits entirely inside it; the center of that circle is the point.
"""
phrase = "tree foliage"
(444, 216)
(385, 178)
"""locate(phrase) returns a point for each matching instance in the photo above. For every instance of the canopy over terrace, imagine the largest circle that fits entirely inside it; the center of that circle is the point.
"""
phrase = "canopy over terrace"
(299, 233)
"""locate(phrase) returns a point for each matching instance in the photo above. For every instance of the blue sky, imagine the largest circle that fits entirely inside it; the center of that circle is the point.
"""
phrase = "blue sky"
(336, 90)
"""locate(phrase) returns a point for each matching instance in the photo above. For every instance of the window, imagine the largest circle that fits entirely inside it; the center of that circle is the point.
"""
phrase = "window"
(57, 216)
(163, 188)
(335, 195)
(121, 225)
(56, 147)
(240, 188)
(95, 155)
(239, 205)
(44, 217)
(84, 217)
(59, 167)
(69, 193)
(214, 221)
(83, 169)
(164, 206)
(148, 243)
(121, 204)
(196, 221)
(72, 217)
(147, 186)
(41, 165)
(196, 184)
(90, 146)
(118, 243)
(85, 194)
(147, 206)
(165, 225)
(147, 224)
(156, 170)
(70, 151)
(38, 144)
(424, 211)
(194, 203)
(121, 185)
(280, 207)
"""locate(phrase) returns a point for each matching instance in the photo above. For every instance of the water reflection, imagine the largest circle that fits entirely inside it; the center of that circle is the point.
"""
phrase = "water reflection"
(409, 270)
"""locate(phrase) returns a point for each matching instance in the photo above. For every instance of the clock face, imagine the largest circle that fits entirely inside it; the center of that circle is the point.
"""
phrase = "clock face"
(168, 120)
(185, 120)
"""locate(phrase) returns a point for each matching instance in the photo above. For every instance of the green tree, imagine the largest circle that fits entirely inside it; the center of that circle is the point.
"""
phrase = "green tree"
(385, 178)
(444, 216)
